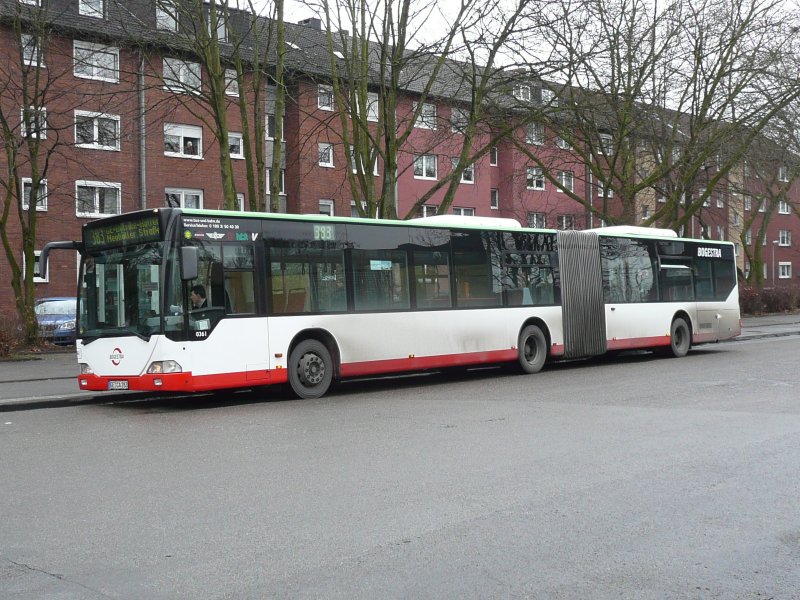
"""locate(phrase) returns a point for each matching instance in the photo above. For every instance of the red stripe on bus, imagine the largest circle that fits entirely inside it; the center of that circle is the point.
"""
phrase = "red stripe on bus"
(416, 363)
(643, 342)
(185, 382)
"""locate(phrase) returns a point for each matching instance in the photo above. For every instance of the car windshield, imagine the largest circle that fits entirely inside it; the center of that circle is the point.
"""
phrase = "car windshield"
(64, 306)
(120, 292)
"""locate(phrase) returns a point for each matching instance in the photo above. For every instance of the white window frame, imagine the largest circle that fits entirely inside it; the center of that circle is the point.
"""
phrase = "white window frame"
(784, 238)
(325, 100)
(181, 194)
(606, 142)
(184, 132)
(428, 117)
(537, 220)
(494, 199)
(535, 134)
(783, 173)
(372, 106)
(88, 8)
(96, 70)
(325, 154)
(494, 156)
(355, 166)
(566, 179)
(762, 205)
(30, 2)
(720, 232)
(97, 185)
(180, 75)
(354, 212)
(41, 201)
(240, 201)
(468, 174)
(166, 19)
(31, 51)
(784, 270)
(41, 125)
(459, 120)
(748, 237)
(37, 262)
(566, 222)
(645, 212)
(268, 181)
(329, 205)
(604, 190)
(549, 97)
(464, 211)
(222, 25)
(533, 177)
(95, 116)
(231, 83)
(233, 135)
(563, 144)
(748, 202)
(783, 207)
(522, 92)
(720, 198)
(424, 161)
(269, 132)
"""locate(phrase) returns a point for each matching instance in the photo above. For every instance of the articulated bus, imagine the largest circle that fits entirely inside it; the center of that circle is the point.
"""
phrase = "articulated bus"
(197, 300)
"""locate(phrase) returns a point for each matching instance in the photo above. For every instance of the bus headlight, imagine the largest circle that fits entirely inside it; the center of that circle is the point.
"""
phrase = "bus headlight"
(164, 366)
(85, 369)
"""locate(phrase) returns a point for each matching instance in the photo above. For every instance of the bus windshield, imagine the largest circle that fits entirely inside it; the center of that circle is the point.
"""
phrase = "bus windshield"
(121, 293)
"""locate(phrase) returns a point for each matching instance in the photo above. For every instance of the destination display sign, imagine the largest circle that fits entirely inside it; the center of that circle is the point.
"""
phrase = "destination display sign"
(122, 233)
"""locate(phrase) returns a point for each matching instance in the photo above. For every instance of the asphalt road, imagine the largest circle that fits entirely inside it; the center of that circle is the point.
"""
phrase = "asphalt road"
(634, 478)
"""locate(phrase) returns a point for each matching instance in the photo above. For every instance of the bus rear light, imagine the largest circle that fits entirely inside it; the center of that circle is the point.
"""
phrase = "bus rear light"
(164, 366)
(85, 369)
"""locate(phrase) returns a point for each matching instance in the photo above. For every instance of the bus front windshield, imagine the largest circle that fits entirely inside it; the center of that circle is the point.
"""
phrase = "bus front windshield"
(121, 293)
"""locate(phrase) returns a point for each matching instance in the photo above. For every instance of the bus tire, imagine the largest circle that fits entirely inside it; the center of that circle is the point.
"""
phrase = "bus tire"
(310, 369)
(532, 349)
(680, 339)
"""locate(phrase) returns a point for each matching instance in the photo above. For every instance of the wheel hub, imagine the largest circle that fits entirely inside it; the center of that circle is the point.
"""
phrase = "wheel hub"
(312, 369)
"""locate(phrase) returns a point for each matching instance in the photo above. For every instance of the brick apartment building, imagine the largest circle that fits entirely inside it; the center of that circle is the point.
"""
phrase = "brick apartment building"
(122, 136)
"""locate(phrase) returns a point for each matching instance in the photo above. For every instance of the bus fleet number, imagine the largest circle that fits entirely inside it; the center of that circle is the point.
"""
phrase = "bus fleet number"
(323, 232)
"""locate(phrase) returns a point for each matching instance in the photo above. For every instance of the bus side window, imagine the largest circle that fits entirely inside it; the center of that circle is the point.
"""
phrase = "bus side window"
(237, 289)
(703, 279)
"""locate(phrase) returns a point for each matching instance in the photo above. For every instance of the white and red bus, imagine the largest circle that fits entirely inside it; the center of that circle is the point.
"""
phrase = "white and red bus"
(191, 300)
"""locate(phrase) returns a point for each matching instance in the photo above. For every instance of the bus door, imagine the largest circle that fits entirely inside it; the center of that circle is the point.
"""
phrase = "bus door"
(581, 293)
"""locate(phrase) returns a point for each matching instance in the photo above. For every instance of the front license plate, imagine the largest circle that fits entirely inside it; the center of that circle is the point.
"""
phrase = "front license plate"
(118, 385)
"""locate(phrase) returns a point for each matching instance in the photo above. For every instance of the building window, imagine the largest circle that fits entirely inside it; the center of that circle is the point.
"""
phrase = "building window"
(222, 29)
(428, 210)
(464, 212)
(535, 178)
(566, 222)
(372, 106)
(235, 145)
(231, 83)
(181, 75)
(549, 97)
(95, 61)
(355, 162)
(604, 190)
(748, 202)
(183, 140)
(459, 120)
(522, 92)
(735, 219)
(563, 144)
(240, 202)
(720, 199)
(762, 205)
(41, 196)
(427, 118)
(97, 198)
(748, 237)
(784, 237)
(325, 97)
(96, 130)
(425, 166)
(326, 207)
(660, 197)
(745, 169)
(30, 2)
(282, 188)
(271, 125)
(33, 122)
(354, 209)
(720, 232)
(783, 207)
(565, 180)
(606, 143)
(493, 156)
(784, 270)
(92, 8)
(31, 51)
(468, 174)
(166, 16)
(537, 220)
(534, 134)
(325, 154)
(645, 212)
(494, 199)
(783, 173)
(183, 198)
(37, 267)
(707, 201)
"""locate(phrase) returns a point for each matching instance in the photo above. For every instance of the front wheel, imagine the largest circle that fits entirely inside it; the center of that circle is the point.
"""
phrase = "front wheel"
(680, 339)
(532, 349)
(310, 369)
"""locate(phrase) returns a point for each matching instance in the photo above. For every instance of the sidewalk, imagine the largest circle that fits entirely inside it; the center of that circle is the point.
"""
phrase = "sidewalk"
(50, 379)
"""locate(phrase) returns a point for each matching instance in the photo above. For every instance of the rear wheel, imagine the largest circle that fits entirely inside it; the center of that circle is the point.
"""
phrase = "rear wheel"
(532, 349)
(680, 339)
(310, 369)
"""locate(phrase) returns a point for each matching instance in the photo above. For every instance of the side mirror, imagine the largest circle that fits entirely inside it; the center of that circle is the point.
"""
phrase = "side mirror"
(188, 262)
